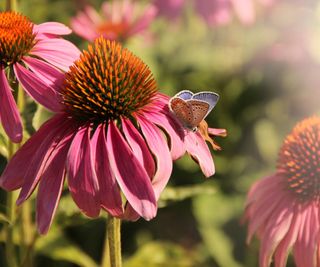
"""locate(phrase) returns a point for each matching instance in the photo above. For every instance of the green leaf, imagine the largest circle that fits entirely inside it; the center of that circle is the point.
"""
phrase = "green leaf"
(162, 254)
(173, 194)
(56, 246)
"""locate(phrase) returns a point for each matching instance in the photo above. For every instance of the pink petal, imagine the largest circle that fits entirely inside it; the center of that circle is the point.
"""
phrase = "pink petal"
(131, 176)
(12, 177)
(138, 146)
(305, 249)
(144, 21)
(46, 72)
(159, 147)
(38, 161)
(85, 23)
(199, 150)
(282, 251)
(217, 132)
(174, 130)
(9, 113)
(82, 178)
(58, 52)
(51, 184)
(277, 227)
(110, 195)
(53, 28)
(37, 89)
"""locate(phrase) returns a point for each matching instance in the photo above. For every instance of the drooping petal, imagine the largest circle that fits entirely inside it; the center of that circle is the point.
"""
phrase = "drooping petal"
(198, 149)
(38, 90)
(38, 161)
(46, 72)
(51, 184)
(82, 179)
(110, 196)
(281, 254)
(12, 177)
(52, 28)
(58, 52)
(9, 113)
(174, 130)
(138, 146)
(130, 174)
(277, 227)
(159, 147)
(305, 248)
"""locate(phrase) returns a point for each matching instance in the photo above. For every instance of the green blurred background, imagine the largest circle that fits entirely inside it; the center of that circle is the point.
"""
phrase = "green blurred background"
(267, 75)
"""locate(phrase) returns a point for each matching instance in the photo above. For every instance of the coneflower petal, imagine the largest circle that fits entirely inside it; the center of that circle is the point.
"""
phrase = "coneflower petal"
(138, 146)
(51, 184)
(110, 196)
(37, 89)
(82, 180)
(159, 147)
(131, 176)
(58, 52)
(9, 113)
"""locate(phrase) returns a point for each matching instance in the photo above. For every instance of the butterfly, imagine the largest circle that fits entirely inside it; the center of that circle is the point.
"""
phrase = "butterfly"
(190, 109)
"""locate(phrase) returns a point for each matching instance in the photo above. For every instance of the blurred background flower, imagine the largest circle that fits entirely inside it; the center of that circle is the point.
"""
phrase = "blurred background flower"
(267, 76)
(119, 20)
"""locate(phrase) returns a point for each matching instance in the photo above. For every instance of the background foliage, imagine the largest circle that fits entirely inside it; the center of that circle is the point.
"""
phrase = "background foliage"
(267, 75)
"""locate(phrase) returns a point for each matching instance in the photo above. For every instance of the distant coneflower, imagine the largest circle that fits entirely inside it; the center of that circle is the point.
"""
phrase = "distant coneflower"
(283, 209)
(30, 54)
(113, 132)
(120, 19)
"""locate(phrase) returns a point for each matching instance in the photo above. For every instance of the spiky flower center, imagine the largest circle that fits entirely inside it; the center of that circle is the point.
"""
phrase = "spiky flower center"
(299, 158)
(16, 37)
(107, 82)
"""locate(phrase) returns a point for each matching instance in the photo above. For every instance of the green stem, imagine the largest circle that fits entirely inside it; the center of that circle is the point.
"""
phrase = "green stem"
(10, 249)
(114, 241)
(106, 251)
(11, 5)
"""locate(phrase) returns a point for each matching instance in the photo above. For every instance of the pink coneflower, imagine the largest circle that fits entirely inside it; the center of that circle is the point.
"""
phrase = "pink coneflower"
(120, 19)
(283, 209)
(27, 53)
(110, 135)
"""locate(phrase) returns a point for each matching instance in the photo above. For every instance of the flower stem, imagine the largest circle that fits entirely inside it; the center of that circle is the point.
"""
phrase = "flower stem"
(11, 5)
(10, 249)
(112, 249)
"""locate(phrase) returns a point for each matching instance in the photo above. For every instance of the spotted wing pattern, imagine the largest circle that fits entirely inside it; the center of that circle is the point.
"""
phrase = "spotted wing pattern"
(199, 111)
(210, 97)
(182, 110)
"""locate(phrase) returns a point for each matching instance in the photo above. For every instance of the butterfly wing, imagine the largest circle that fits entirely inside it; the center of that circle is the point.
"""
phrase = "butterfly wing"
(185, 94)
(182, 110)
(210, 97)
(199, 111)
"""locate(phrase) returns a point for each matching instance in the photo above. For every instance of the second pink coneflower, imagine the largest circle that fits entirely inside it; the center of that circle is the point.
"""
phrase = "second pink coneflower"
(283, 208)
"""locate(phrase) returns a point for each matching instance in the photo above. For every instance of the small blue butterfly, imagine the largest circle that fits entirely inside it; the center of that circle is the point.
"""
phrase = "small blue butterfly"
(190, 109)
